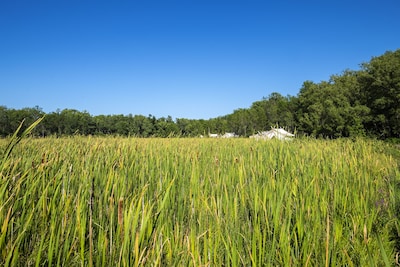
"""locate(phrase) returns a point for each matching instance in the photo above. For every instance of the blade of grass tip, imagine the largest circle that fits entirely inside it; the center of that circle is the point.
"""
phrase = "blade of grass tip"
(15, 139)
(30, 128)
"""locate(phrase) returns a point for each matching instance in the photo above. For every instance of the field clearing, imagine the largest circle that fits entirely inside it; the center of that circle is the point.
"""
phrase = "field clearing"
(110, 201)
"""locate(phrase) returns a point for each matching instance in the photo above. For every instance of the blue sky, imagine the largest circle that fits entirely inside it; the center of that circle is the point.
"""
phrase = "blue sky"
(196, 59)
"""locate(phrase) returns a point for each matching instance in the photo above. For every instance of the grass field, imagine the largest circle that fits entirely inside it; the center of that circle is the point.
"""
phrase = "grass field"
(88, 201)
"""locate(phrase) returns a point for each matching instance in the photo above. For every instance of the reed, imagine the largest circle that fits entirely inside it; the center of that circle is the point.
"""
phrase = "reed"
(198, 202)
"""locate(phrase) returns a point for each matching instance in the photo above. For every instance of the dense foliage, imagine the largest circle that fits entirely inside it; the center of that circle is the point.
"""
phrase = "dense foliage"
(113, 201)
(354, 103)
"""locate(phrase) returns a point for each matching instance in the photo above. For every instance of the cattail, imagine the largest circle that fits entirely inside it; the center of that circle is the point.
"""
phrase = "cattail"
(365, 234)
(120, 211)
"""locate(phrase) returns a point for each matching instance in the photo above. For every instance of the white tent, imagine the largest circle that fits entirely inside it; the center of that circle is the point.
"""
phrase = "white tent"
(278, 133)
(229, 135)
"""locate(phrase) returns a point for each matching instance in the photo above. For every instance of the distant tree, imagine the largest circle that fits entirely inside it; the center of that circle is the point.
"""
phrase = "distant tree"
(331, 109)
(26, 115)
(5, 125)
(101, 125)
(240, 122)
(191, 128)
(86, 125)
(182, 125)
(69, 121)
(259, 116)
(143, 126)
(321, 110)
(273, 110)
(121, 124)
(52, 123)
(165, 127)
(354, 110)
(218, 125)
(380, 81)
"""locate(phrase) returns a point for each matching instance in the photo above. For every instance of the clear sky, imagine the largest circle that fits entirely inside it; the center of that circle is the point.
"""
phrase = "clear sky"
(195, 59)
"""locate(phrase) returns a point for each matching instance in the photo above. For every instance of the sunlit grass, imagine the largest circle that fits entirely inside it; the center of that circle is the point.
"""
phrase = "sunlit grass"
(195, 202)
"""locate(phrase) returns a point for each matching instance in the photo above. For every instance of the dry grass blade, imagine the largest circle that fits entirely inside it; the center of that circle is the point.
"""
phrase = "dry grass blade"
(16, 138)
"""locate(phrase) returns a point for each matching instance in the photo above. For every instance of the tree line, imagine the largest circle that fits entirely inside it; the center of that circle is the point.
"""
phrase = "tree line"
(365, 102)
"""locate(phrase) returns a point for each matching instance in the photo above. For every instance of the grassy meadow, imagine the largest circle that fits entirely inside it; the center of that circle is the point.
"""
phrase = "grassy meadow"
(109, 201)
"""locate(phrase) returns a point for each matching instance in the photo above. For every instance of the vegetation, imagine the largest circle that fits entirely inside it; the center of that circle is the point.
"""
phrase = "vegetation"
(104, 201)
(356, 103)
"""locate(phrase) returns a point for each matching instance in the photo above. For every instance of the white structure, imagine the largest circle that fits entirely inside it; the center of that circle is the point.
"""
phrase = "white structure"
(213, 135)
(278, 133)
(229, 135)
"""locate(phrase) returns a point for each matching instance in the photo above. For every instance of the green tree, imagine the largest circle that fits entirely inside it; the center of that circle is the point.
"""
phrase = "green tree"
(143, 126)
(165, 127)
(240, 122)
(354, 110)
(259, 116)
(380, 81)
(5, 126)
(52, 123)
(72, 121)
(273, 110)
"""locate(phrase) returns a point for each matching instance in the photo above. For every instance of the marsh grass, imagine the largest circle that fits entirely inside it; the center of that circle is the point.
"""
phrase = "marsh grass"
(197, 202)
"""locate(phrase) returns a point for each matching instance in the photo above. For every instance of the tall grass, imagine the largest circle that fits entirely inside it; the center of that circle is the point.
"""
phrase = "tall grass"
(198, 202)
